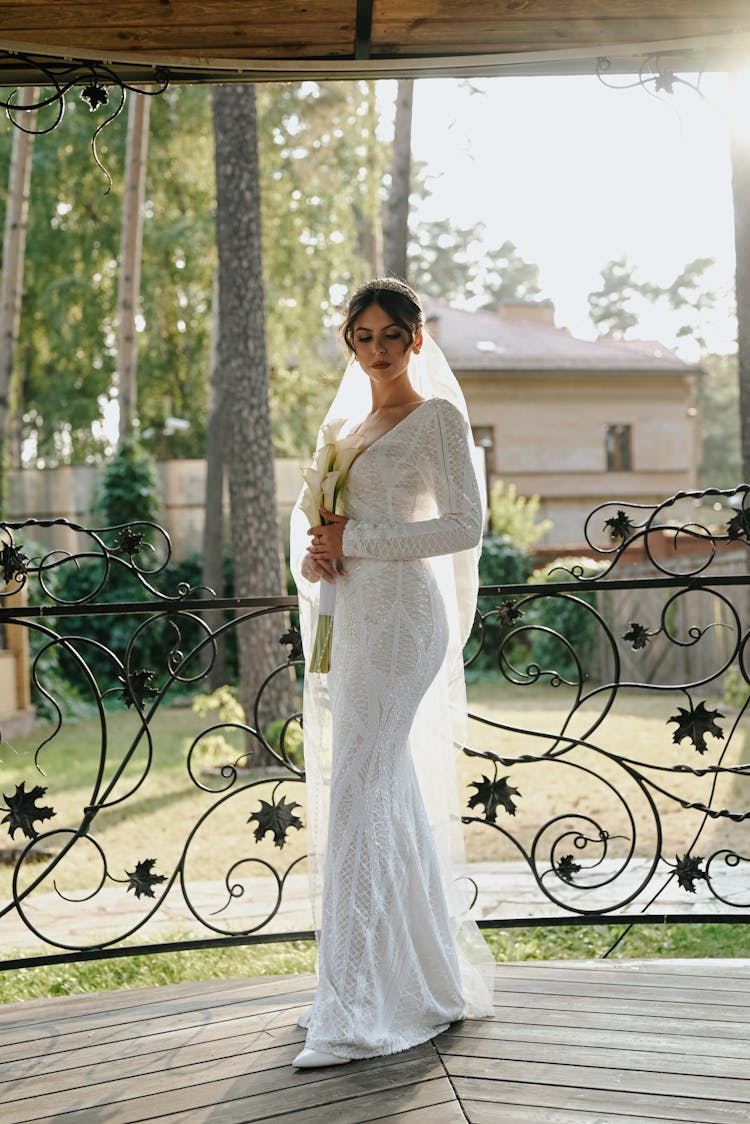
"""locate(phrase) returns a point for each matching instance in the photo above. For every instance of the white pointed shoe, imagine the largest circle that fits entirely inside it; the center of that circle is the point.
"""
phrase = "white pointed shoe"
(312, 1059)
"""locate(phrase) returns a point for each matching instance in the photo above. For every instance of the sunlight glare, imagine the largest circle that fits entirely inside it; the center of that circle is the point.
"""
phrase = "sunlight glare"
(739, 102)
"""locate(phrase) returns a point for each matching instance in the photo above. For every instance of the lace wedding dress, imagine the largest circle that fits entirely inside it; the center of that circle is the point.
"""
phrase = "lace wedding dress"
(398, 958)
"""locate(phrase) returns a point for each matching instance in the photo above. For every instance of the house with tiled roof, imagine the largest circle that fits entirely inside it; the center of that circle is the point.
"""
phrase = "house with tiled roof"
(577, 422)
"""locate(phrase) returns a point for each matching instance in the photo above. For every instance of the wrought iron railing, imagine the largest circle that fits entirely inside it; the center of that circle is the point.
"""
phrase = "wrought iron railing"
(605, 773)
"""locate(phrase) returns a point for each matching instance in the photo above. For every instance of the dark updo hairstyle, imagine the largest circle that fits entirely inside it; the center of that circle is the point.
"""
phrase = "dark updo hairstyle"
(394, 297)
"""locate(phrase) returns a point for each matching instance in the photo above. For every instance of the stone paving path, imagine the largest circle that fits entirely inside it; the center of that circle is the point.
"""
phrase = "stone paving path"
(506, 891)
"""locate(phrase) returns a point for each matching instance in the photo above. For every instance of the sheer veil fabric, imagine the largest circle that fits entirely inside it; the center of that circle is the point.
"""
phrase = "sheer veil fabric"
(439, 728)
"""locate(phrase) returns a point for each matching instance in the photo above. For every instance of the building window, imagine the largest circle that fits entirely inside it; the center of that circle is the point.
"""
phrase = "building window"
(484, 437)
(617, 444)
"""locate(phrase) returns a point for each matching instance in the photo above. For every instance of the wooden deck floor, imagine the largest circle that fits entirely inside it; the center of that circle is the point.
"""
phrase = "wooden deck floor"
(589, 1042)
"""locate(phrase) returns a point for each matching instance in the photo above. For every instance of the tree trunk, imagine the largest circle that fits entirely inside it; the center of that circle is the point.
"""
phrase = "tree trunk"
(131, 242)
(741, 195)
(396, 225)
(373, 223)
(244, 398)
(14, 247)
(213, 531)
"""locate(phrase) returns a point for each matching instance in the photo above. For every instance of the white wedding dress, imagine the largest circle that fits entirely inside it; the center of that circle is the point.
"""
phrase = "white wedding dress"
(398, 958)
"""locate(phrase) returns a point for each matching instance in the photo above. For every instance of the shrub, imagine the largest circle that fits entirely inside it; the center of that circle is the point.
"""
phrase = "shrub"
(563, 618)
(516, 517)
(501, 563)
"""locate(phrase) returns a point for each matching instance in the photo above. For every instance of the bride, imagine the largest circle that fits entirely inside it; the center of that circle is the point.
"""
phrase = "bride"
(399, 959)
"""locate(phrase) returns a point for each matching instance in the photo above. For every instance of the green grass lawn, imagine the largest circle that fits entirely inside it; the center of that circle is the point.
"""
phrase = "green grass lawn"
(569, 943)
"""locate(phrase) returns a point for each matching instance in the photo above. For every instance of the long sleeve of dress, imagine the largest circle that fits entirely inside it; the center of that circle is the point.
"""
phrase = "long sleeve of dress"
(450, 474)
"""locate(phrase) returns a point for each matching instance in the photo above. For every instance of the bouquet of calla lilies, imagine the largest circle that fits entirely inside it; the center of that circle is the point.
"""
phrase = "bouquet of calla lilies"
(324, 483)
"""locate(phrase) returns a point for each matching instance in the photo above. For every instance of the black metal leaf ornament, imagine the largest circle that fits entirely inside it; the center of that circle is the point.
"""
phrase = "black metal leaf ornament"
(695, 724)
(94, 95)
(136, 688)
(738, 526)
(276, 818)
(508, 613)
(619, 526)
(688, 871)
(638, 635)
(493, 794)
(143, 879)
(22, 810)
(130, 542)
(294, 639)
(12, 561)
(567, 868)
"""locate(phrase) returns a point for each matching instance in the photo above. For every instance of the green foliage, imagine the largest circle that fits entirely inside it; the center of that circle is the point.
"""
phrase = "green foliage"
(221, 747)
(318, 156)
(563, 615)
(507, 276)
(129, 489)
(452, 262)
(609, 306)
(293, 740)
(68, 342)
(516, 517)
(66, 346)
(501, 563)
(615, 307)
(735, 690)
(177, 275)
(63, 675)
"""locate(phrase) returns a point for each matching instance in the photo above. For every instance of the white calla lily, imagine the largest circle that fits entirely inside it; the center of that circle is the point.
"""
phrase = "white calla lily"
(325, 480)
(330, 431)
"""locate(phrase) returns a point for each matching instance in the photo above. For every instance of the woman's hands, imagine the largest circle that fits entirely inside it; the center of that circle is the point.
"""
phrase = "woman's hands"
(324, 554)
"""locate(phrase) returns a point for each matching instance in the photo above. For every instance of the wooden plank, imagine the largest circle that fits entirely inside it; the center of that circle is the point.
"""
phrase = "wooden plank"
(139, 1057)
(407, 40)
(700, 973)
(480, 1112)
(30, 1010)
(258, 1031)
(216, 1080)
(654, 1084)
(543, 11)
(495, 1096)
(653, 1022)
(430, 1102)
(216, 43)
(638, 1036)
(539, 1000)
(266, 18)
(681, 992)
(39, 1035)
(617, 1057)
(81, 1036)
(448, 1113)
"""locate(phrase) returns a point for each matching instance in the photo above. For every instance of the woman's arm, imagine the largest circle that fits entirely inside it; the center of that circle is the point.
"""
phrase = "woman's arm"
(458, 525)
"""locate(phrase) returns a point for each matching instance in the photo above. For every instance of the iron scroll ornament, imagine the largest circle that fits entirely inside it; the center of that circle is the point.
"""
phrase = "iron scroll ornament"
(96, 81)
(598, 866)
(237, 872)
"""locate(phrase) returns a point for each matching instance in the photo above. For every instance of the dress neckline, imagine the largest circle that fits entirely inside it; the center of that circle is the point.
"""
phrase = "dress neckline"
(382, 437)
